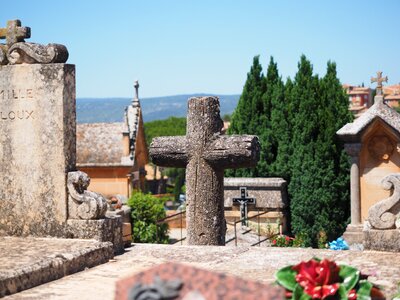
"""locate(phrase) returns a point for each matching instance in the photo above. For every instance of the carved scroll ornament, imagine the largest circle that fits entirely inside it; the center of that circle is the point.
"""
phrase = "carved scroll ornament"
(383, 215)
(84, 204)
(31, 53)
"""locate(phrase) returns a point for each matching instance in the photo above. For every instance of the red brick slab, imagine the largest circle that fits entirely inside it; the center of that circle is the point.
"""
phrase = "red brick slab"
(196, 282)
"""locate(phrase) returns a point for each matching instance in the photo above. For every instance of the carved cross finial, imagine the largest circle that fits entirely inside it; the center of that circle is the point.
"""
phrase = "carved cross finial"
(136, 85)
(135, 100)
(14, 33)
(379, 80)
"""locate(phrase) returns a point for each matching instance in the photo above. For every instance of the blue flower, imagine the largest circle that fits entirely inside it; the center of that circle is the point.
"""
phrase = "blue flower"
(339, 244)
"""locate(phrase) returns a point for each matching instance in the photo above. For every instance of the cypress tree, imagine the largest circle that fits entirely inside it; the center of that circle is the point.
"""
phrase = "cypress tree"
(304, 126)
(246, 117)
(265, 130)
(318, 185)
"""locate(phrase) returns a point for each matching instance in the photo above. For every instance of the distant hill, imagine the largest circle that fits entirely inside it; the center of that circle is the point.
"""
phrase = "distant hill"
(96, 110)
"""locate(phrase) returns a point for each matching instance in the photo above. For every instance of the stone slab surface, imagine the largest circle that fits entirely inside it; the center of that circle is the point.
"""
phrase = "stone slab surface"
(250, 263)
(28, 262)
(188, 282)
(383, 240)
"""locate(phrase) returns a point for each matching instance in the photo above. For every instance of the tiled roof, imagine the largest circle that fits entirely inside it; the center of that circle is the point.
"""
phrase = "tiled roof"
(390, 89)
(378, 110)
(393, 97)
(359, 92)
(100, 144)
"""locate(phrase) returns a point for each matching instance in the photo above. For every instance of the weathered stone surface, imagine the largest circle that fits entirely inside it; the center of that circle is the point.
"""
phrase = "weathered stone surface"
(37, 115)
(383, 214)
(84, 204)
(269, 192)
(31, 53)
(206, 154)
(354, 235)
(177, 281)
(250, 263)
(103, 230)
(28, 262)
(382, 240)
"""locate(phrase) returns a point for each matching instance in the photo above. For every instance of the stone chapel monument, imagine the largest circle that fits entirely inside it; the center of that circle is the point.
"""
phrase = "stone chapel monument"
(373, 143)
(41, 194)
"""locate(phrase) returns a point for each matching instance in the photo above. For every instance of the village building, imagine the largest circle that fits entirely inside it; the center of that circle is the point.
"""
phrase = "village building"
(360, 98)
(114, 155)
(391, 94)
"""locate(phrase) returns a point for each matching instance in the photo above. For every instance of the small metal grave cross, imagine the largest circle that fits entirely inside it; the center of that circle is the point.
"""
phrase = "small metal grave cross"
(14, 33)
(205, 153)
(244, 201)
(379, 80)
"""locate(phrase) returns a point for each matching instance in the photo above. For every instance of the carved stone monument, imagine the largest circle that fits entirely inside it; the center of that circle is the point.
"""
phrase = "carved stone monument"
(205, 153)
(40, 192)
(372, 141)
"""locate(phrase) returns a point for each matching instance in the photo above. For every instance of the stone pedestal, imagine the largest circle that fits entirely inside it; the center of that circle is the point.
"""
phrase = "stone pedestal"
(382, 240)
(103, 230)
(354, 234)
(37, 116)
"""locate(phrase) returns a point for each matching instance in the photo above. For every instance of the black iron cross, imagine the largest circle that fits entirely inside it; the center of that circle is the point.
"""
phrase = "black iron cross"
(244, 201)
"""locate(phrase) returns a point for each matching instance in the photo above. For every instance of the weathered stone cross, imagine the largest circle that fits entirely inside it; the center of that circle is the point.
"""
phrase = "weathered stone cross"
(244, 200)
(14, 33)
(379, 80)
(205, 154)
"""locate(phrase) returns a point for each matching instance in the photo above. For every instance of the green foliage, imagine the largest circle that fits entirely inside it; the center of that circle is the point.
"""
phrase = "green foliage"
(179, 181)
(318, 188)
(287, 241)
(146, 210)
(253, 115)
(226, 118)
(296, 123)
(168, 127)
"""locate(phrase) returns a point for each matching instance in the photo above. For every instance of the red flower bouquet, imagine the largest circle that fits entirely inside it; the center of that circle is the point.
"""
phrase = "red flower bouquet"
(316, 279)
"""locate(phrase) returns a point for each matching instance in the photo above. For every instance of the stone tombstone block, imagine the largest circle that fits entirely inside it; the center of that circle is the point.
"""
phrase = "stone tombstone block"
(270, 196)
(177, 281)
(269, 192)
(37, 115)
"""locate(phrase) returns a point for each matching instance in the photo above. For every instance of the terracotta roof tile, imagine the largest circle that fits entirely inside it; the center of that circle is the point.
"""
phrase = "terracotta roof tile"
(101, 144)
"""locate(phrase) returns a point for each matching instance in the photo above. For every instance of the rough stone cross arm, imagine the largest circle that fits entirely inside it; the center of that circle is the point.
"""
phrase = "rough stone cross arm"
(224, 152)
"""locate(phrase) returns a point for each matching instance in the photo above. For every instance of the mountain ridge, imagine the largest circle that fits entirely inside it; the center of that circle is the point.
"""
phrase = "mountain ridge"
(108, 110)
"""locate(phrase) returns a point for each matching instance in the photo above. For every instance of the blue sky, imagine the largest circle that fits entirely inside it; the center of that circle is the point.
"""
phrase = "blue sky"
(176, 47)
